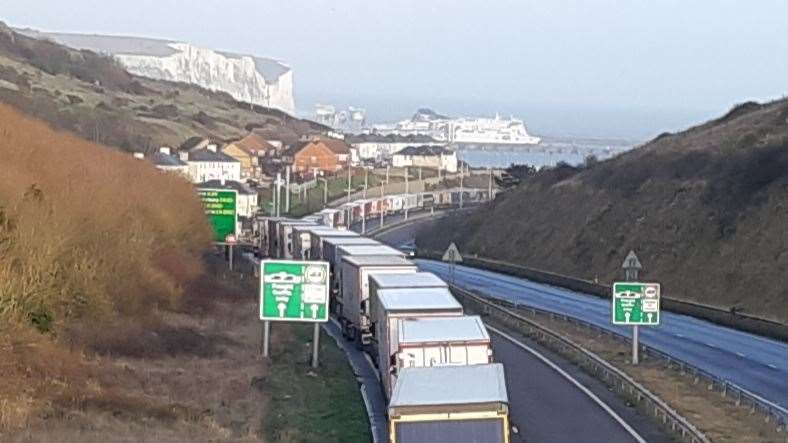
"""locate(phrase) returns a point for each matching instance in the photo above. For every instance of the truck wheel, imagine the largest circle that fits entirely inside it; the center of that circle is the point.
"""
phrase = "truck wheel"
(351, 333)
(343, 327)
(358, 341)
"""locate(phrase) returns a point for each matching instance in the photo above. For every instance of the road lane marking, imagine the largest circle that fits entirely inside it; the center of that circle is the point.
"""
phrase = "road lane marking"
(711, 345)
(572, 380)
(772, 366)
(741, 355)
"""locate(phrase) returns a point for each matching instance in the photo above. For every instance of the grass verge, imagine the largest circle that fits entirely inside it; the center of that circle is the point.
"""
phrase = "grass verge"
(307, 405)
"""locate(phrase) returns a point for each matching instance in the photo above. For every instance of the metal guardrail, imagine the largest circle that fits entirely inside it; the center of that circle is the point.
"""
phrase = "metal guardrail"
(742, 397)
(615, 377)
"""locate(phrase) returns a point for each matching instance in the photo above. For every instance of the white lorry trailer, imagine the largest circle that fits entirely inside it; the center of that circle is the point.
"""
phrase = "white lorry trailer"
(353, 305)
(407, 280)
(285, 236)
(457, 404)
(389, 306)
(303, 246)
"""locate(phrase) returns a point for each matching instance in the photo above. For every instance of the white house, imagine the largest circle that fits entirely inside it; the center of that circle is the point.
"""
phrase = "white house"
(374, 147)
(211, 164)
(433, 157)
(166, 161)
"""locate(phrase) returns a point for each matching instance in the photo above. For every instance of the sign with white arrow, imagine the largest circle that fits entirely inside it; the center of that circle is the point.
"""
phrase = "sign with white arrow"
(294, 291)
(636, 303)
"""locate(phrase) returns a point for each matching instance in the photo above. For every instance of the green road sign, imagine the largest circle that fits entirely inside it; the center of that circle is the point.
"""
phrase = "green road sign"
(221, 208)
(635, 303)
(294, 291)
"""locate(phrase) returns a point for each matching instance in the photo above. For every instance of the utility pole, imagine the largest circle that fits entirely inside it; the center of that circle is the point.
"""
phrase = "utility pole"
(366, 181)
(363, 217)
(278, 197)
(348, 183)
(407, 190)
(287, 191)
(420, 173)
(489, 186)
(461, 176)
(381, 206)
(632, 267)
(387, 174)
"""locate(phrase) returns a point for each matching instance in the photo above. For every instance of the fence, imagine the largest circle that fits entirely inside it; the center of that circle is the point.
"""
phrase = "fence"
(743, 397)
(613, 376)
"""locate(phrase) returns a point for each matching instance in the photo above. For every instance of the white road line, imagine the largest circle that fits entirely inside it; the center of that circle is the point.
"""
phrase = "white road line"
(679, 335)
(572, 380)
(772, 366)
(711, 345)
(741, 355)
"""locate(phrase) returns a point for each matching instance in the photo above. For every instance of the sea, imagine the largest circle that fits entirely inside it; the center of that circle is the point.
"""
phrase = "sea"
(547, 153)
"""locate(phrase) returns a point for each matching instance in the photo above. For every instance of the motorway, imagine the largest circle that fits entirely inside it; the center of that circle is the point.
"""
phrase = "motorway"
(756, 363)
(546, 406)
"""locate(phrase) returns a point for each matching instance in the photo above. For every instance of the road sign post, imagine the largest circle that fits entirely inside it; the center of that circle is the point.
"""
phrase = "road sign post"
(635, 304)
(221, 208)
(294, 291)
(452, 255)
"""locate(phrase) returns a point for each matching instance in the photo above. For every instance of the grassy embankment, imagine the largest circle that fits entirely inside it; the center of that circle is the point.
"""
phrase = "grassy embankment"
(704, 209)
(112, 324)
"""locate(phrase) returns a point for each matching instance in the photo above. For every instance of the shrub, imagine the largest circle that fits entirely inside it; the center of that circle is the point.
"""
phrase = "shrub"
(87, 233)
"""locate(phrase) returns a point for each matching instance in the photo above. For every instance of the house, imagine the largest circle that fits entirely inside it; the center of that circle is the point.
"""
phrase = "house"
(247, 203)
(164, 159)
(434, 157)
(378, 148)
(211, 164)
(248, 151)
(322, 153)
(194, 143)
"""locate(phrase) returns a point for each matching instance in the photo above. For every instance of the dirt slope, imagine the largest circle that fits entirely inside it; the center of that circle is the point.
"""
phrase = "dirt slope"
(705, 209)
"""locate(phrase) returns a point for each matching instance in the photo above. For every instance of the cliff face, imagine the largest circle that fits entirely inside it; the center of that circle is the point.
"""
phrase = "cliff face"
(256, 80)
(705, 210)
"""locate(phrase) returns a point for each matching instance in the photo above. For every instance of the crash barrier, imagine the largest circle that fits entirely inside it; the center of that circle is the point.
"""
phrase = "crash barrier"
(613, 376)
(735, 320)
(742, 397)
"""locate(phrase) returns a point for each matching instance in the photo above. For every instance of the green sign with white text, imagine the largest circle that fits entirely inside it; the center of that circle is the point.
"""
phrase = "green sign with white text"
(294, 291)
(221, 207)
(636, 303)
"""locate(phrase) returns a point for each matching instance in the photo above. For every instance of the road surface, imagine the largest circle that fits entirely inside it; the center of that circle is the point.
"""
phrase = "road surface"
(544, 405)
(756, 363)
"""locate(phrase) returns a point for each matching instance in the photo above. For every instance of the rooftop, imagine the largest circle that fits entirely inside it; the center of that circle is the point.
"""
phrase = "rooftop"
(378, 260)
(162, 159)
(418, 299)
(378, 249)
(206, 155)
(254, 143)
(409, 280)
(450, 385)
(442, 329)
(340, 241)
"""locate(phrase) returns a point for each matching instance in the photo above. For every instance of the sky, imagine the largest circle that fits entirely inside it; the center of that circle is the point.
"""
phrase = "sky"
(596, 68)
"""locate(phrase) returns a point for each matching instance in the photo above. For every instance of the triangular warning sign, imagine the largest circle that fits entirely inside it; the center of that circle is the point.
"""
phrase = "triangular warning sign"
(452, 254)
(632, 261)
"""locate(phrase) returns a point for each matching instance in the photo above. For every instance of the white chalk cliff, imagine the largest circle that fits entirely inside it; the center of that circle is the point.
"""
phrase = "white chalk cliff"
(257, 80)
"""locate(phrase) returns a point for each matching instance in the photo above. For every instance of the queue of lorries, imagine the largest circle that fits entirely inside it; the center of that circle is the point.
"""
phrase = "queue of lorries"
(435, 362)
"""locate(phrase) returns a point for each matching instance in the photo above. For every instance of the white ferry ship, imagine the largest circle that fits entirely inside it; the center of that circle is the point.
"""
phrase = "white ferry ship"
(464, 132)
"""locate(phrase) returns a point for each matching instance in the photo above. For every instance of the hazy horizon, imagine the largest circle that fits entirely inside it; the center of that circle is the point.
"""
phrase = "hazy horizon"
(600, 68)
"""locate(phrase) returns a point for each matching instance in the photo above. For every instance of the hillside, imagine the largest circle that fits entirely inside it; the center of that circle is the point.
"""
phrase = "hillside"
(705, 209)
(93, 96)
